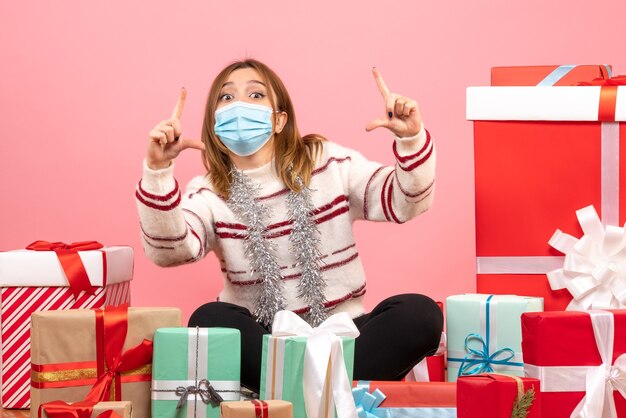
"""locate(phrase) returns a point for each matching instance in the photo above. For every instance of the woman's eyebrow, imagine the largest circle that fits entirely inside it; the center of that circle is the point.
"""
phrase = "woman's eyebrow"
(257, 81)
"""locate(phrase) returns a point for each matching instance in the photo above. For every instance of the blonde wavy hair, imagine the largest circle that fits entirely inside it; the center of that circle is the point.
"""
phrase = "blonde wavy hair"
(294, 155)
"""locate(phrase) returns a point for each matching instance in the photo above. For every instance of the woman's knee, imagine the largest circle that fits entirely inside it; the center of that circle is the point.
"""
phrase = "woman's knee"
(417, 313)
(217, 314)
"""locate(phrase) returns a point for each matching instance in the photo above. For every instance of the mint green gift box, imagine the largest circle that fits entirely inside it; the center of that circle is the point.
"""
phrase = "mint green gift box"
(282, 367)
(183, 357)
(485, 333)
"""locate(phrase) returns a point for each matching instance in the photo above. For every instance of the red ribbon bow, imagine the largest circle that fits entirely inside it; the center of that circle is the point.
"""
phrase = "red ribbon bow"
(260, 409)
(70, 261)
(111, 330)
(60, 409)
(608, 95)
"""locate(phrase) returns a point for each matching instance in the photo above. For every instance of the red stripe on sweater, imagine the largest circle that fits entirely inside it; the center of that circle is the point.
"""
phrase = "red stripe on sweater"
(160, 198)
(343, 249)
(200, 221)
(316, 211)
(418, 162)
(179, 238)
(158, 247)
(205, 189)
(330, 160)
(382, 196)
(367, 189)
(413, 195)
(335, 201)
(313, 173)
(155, 206)
(318, 221)
(425, 196)
(276, 194)
(325, 267)
(390, 202)
(201, 251)
(230, 235)
(410, 157)
(355, 293)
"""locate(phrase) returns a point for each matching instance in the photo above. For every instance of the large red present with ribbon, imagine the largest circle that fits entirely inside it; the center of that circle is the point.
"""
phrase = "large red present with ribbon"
(96, 355)
(60, 409)
(494, 395)
(580, 360)
(541, 153)
(52, 276)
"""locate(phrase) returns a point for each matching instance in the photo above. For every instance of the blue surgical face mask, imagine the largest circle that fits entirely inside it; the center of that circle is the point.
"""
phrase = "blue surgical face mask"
(243, 127)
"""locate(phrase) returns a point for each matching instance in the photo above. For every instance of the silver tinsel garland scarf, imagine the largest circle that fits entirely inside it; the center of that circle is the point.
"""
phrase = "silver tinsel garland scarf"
(260, 251)
(305, 243)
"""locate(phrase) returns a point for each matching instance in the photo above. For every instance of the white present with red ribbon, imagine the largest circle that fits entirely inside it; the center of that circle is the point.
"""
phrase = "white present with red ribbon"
(39, 280)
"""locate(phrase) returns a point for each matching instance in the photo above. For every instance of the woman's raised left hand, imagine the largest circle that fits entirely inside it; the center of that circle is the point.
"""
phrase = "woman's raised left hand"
(402, 114)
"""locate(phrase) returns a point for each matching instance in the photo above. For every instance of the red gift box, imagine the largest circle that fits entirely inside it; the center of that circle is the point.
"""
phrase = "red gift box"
(414, 394)
(541, 153)
(556, 75)
(560, 350)
(500, 391)
(36, 281)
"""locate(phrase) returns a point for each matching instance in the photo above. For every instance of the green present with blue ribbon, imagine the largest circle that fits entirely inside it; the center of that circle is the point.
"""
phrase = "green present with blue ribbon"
(485, 333)
(194, 369)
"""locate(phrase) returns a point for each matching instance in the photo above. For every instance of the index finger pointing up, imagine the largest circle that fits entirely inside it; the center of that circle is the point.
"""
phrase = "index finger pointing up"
(178, 109)
(382, 87)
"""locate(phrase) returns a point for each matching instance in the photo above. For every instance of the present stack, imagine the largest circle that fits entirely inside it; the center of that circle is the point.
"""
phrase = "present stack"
(542, 153)
(549, 146)
(52, 276)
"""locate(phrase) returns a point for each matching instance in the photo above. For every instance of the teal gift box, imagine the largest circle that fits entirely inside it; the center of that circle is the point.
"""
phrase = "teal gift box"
(485, 333)
(191, 366)
(282, 369)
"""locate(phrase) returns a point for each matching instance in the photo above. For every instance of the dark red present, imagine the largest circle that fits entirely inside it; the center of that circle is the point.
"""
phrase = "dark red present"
(494, 395)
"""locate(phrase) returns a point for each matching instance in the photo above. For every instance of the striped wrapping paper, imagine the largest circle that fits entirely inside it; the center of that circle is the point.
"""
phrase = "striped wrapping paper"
(21, 296)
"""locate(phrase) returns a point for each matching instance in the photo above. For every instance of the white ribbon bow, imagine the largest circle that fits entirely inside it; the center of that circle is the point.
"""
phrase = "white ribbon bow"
(601, 380)
(324, 353)
(594, 271)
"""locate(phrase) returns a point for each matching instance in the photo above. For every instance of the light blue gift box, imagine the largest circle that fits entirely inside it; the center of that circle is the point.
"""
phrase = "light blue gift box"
(485, 333)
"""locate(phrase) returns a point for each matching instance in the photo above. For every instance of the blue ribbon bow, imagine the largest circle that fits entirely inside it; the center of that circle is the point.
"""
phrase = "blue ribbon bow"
(366, 402)
(480, 361)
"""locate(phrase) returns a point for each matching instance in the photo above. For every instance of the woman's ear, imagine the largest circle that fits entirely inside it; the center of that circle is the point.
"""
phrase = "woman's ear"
(281, 121)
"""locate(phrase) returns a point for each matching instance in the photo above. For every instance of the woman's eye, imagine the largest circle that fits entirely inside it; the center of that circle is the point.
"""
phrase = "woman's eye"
(257, 95)
(226, 97)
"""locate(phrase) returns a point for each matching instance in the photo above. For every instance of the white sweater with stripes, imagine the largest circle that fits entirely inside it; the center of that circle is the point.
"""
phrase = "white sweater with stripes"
(181, 227)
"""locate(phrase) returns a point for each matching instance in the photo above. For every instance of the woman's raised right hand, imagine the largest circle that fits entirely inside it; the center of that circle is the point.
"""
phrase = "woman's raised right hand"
(165, 141)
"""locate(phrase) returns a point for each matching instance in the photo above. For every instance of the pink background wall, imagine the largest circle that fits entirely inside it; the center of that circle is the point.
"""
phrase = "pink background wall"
(82, 83)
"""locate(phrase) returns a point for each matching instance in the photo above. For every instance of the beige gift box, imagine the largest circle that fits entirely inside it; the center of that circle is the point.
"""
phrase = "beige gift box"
(64, 354)
(248, 409)
(123, 408)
